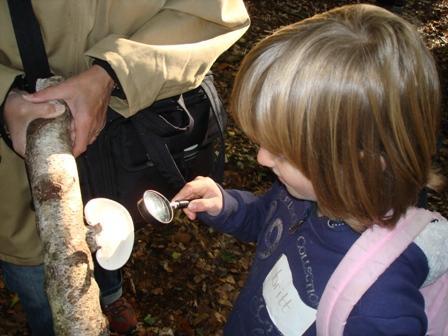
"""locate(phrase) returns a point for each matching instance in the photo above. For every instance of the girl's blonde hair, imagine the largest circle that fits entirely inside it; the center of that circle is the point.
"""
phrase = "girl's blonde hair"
(350, 97)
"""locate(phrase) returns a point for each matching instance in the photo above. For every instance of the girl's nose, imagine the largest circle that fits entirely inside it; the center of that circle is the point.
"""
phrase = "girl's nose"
(265, 158)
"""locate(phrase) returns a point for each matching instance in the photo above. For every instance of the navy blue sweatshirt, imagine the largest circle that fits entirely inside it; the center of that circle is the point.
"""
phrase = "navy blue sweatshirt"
(297, 251)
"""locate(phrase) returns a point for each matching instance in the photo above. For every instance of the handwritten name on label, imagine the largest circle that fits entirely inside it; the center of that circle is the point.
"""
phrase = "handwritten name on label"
(285, 307)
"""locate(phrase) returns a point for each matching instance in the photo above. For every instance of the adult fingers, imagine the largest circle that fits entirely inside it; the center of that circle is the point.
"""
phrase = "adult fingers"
(49, 110)
(82, 135)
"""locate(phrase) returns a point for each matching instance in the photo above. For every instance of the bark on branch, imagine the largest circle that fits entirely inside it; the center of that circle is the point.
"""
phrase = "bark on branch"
(70, 284)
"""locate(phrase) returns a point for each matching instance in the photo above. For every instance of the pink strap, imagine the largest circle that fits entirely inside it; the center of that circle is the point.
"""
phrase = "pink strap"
(365, 261)
(436, 306)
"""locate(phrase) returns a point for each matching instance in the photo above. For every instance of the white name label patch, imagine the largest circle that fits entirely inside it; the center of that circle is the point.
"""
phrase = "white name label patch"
(285, 307)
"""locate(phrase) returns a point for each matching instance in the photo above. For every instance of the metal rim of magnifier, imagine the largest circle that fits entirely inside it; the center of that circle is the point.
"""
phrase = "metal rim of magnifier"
(143, 207)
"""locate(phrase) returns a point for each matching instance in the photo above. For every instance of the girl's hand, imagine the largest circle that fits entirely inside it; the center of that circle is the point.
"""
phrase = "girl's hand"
(87, 95)
(18, 113)
(205, 196)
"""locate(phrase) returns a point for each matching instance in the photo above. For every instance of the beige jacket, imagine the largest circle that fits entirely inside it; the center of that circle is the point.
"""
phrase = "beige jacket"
(157, 49)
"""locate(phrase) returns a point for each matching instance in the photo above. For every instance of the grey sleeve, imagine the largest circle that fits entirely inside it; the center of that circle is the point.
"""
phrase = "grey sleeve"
(433, 241)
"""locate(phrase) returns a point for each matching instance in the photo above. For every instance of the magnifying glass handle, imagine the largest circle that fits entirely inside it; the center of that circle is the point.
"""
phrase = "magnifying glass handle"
(179, 204)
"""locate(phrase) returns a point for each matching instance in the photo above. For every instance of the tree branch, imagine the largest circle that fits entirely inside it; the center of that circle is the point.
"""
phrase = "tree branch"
(70, 284)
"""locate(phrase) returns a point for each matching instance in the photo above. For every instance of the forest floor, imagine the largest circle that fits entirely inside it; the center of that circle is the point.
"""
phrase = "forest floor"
(182, 278)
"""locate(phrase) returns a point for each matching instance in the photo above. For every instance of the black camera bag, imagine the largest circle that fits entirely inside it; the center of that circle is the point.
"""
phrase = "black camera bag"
(160, 148)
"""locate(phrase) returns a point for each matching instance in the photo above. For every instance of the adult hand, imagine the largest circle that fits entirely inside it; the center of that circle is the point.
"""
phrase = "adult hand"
(205, 196)
(18, 114)
(87, 95)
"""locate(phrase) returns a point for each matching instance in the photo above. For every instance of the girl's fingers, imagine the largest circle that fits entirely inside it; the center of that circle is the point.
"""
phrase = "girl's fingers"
(199, 205)
(190, 214)
(190, 191)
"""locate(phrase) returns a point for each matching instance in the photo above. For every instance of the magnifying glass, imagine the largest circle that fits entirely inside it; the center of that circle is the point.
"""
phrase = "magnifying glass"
(154, 206)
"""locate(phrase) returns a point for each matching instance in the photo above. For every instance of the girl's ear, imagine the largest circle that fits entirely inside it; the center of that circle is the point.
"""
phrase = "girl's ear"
(436, 181)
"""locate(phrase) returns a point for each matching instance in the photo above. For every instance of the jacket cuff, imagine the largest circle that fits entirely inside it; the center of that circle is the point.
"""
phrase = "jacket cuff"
(117, 91)
(4, 133)
(229, 207)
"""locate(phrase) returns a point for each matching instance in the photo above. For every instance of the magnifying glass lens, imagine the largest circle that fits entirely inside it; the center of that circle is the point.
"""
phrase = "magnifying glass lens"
(155, 206)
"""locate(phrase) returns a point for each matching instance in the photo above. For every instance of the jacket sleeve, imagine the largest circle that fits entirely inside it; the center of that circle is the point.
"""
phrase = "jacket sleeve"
(7, 78)
(243, 215)
(172, 51)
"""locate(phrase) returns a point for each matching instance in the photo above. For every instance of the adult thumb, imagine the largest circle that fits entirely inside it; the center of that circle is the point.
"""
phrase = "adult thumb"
(51, 109)
(41, 96)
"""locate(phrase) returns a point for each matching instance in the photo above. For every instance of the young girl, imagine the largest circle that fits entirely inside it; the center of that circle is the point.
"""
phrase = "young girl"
(345, 108)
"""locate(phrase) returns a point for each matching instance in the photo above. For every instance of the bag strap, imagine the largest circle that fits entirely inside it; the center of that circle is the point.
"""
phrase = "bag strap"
(366, 260)
(157, 148)
(219, 114)
(159, 153)
(29, 41)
